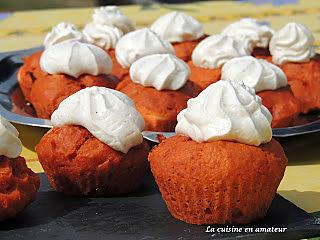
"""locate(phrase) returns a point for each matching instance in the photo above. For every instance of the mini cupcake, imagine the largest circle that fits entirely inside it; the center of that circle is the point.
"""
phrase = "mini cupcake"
(30, 70)
(222, 167)
(96, 146)
(18, 183)
(210, 55)
(249, 29)
(157, 87)
(67, 68)
(183, 31)
(292, 49)
(270, 83)
(108, 25)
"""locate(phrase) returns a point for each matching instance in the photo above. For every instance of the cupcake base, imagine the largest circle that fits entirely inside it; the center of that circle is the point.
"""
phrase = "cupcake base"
(203, 77)
(283, 106)
(158, 108)
(76, 163)
(184, 50)
(304, 79)
(219, 182)
(18, 186)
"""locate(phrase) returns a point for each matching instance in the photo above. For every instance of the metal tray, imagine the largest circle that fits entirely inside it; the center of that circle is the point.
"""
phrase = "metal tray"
(141, 215)
(9, 87)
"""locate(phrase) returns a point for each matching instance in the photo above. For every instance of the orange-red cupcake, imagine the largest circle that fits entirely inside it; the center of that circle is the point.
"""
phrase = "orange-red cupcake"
(210, 55)
(270, 83)
(31, 71)
(292, 49)
(65, 69)
(158, 86)
(183, 31)
(223, 167)
(18, 183)
(96, 146)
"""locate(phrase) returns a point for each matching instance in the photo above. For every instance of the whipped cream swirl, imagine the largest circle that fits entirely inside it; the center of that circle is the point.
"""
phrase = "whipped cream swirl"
(177, 27)
(255, 73)
(107, 114)
(226, 110)
(10, 144)
(216, 50)
(112, 16)
(74, 59)
(250, 29)
(140, 43)
(102, 36)
(63, 32)
(292, 43)
(161, 71)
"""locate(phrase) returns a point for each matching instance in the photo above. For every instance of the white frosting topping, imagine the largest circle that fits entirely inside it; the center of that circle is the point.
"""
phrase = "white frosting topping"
(229, 111)
(10, 144)
(177, 27)
(161, 71)
(140, 43)
(63, 32)
(216, 50)
(107, 114)
(259, 34)
(112, 16)
(292, 43)
(102, 36)
(74, 59)
(255, 73)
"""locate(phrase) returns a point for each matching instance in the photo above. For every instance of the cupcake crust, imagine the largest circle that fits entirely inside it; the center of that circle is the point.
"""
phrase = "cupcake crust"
(283, 106)
(304, 79)
(117, 69)
(76, 163)
(158, 108)
(219, 182)
(203, 77)
(18, 186)
(29, 72)
(184, 50)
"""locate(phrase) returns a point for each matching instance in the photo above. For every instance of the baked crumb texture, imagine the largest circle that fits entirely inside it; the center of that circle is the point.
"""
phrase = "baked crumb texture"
(76, 163)
(220, 182)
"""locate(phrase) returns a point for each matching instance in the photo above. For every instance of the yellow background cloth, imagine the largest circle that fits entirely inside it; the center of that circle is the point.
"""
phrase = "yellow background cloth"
(301, 183)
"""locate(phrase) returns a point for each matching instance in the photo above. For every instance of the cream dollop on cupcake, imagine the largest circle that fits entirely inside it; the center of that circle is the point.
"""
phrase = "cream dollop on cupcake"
(10, 144)
(251, 29)
(258, 74)
(140, 43)
(226, 110)
(112, 16)
(63, 32)
(177, 27)
(292, 43)
(75, 59)
(107, 114)
(103, 36)
(216, 50)
(161, 71)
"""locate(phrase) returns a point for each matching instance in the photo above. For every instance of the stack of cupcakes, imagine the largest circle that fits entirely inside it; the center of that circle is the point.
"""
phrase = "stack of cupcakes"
(221, 94)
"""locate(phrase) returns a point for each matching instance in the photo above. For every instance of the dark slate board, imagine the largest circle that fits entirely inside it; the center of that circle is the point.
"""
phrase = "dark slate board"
(141, 215)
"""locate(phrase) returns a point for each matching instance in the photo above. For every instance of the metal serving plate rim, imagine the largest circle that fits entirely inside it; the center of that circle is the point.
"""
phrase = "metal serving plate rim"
(311, 127)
